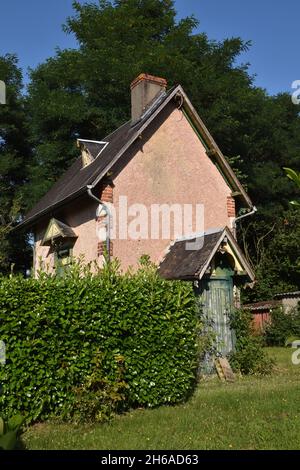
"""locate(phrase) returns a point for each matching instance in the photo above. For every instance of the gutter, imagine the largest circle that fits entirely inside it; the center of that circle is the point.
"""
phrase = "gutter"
(108, 218)
(35, 218)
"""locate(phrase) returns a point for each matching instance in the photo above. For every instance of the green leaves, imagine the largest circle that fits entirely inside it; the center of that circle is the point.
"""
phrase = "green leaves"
(14, 162)
(15, 422)
(9, 432)
(284, 327)
(295, 177)
(55, 328)
(249, 356)
(1, 426)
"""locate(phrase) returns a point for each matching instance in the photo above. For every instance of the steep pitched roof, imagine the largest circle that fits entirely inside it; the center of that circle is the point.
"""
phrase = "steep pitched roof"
(186, 264)
(76, 179)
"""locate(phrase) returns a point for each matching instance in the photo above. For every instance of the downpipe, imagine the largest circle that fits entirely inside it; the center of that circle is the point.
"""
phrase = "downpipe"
(237, 219)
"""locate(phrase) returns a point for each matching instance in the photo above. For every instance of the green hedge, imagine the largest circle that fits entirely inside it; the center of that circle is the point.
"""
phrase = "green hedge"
(249, 356)
(284, 325)
(54, 327)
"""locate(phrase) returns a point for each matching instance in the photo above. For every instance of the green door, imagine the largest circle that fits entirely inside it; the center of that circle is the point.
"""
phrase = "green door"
(216, 300)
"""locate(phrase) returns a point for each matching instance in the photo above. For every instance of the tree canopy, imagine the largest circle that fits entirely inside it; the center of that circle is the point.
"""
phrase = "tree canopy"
(14, 161)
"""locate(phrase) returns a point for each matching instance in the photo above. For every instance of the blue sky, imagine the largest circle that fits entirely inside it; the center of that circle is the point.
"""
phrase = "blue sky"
(32, 29)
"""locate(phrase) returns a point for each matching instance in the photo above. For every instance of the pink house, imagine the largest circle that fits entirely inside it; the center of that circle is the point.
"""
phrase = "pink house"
(159, 185)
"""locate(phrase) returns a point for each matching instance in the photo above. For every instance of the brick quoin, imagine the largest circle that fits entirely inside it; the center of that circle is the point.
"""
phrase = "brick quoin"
(107, 193)
(231, 206)
(102, 248)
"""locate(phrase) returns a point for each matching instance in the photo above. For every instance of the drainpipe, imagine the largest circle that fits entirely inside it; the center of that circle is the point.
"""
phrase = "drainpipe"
(108, 218)
(237, 219)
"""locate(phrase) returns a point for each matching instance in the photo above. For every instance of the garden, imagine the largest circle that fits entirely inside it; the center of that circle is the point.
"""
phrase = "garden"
(255, 412)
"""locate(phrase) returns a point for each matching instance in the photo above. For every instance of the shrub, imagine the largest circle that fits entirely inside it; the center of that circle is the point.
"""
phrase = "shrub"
(249, 356)
(99, 398)
(283, 325)
(54, 328)
(9, 432)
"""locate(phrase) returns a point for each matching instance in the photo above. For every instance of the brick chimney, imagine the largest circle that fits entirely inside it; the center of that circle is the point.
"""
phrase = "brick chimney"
(143, 91)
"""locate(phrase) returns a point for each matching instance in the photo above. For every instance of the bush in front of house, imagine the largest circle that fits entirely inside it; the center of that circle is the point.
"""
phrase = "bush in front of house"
(55, 328)
(10, 431)
(283, 325)
(249, 356)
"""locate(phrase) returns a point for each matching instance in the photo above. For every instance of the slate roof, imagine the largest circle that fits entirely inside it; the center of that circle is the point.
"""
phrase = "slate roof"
(181, 263)
(76, 178)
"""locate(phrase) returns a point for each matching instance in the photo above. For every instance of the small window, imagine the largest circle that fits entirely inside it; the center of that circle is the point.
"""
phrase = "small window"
(64, 254)
(63, 259)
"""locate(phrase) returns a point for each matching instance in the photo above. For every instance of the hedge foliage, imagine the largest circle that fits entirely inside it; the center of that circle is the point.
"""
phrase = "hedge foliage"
(55, 327)
(249, 356)
(283, 326)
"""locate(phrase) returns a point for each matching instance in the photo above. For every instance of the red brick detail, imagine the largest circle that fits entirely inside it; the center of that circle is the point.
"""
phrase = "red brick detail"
(107, 193)
(106, 196)
(102, 248)
(149, 78)
(231, 206)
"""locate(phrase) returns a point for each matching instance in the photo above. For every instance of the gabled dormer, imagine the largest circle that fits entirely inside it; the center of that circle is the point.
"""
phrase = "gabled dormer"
(90, 150)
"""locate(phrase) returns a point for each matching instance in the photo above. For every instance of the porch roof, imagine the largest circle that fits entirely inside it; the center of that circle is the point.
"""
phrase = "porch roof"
(188, 259)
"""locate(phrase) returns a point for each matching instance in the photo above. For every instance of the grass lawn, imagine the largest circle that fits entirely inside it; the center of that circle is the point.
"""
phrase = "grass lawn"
(253, 413)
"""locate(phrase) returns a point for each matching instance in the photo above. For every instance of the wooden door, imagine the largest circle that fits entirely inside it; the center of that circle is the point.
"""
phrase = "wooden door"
(217, 307)
(216, 301)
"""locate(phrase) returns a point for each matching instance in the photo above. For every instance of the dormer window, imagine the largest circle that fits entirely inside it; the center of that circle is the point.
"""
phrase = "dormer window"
(90, 150)
(61, 239)
(57, 231)
(87, 157)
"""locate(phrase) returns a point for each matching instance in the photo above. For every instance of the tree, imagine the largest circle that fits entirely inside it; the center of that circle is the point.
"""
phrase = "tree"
(278, 267)
(14, 158)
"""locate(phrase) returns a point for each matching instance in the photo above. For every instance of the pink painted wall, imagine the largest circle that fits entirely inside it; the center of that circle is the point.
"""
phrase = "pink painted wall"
(43, 260)
(170, 167)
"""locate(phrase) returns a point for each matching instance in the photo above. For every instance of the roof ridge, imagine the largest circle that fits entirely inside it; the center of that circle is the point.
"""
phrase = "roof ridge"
(195, 236)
